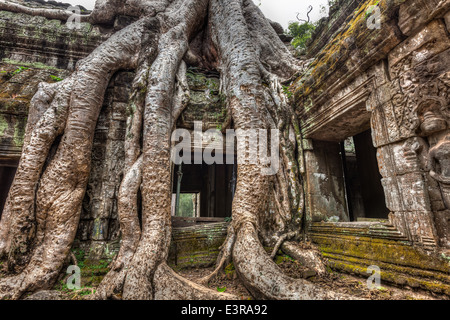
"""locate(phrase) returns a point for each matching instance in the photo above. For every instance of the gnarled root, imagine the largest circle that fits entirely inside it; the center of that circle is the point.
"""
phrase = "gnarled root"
(310, 258)
(224, 256)
(63, 182)
(171, 286)
(113, 282)
(263, 278)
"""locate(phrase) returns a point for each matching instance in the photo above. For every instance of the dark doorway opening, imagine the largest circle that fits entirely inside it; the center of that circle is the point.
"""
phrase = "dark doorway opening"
(6, 179)
(365, 193)
(211, 187)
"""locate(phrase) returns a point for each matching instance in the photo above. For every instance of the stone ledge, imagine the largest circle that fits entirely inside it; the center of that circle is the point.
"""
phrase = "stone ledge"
(196, 246)
(352, 247)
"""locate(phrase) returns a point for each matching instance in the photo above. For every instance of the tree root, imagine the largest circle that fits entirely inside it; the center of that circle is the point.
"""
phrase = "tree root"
(280, 241)
(224, 256)
(171, 286)
(310, 258)
(262, 277)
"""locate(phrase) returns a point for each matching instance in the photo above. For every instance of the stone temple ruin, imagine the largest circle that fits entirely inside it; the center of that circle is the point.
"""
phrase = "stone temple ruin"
(374, 117)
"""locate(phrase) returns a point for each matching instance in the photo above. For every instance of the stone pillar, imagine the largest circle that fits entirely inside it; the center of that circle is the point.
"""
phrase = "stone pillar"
(411, 133)
(325, 186)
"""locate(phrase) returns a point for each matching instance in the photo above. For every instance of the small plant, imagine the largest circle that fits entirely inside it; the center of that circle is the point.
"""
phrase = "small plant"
(55, 78)
(219, 289)
(286, 91)
(19, 70)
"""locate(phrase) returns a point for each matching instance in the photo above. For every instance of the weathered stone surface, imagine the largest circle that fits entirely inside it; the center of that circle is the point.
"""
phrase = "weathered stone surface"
(40, 40)
(353, 247)
(196, 246)
(324, 183)
(414, 14)
(406, 101)
(18, 84)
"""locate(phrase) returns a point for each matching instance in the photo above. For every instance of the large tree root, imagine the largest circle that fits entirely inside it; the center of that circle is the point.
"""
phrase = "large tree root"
(171, 286)
(62, 185)
(310, 258)
(225, 255)
(252, 62)
(264, 279)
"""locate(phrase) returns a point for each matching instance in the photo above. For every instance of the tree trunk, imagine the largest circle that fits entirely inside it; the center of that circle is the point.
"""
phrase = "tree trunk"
(43, 209)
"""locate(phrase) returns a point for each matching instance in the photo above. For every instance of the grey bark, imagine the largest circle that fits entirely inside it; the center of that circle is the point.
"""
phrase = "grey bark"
(46, 200)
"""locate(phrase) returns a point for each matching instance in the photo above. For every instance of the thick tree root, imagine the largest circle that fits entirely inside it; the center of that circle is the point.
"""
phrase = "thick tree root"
(252, 61)
(223, 258)
(263, 278)
(18, 226)
(63, 182)
(114, 281)
(158, 123)
(171, 286)
(310, 258)
(280, 242)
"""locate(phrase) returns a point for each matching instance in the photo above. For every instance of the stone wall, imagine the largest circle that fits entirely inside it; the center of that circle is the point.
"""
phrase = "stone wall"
(395, 81)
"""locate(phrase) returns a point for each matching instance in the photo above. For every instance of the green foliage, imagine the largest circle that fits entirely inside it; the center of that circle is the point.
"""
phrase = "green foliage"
(19, 70)
(221, 289)
(80, 255)
(286, 91)
(301, 32)
(55, 78)
(186, 205)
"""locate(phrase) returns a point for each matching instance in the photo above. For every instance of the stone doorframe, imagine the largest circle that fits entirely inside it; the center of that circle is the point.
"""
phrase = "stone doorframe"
(405, 99)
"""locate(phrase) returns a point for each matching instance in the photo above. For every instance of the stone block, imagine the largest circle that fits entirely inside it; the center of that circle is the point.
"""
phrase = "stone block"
(414, 192)
(121, 94)
(378, 126)
(392, 194)
(124, 78)
(442, 223)
(434, 192)
(84, 230)
(408, 155)
(414, 14)
(386, 165)
(421, 227)
(99, 229)
(119, 111)
(431, 40)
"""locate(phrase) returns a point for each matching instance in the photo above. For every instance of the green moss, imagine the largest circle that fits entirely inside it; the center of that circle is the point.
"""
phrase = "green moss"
(19, 133)
(3, 126)
(36, 65)
(229, 269)
(399, 262)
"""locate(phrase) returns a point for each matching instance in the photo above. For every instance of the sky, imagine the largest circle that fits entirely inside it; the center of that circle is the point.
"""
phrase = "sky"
(282, 11)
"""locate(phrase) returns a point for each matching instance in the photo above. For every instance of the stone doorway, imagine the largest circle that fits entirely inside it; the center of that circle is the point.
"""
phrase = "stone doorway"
(364, 191)
(211, 188)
